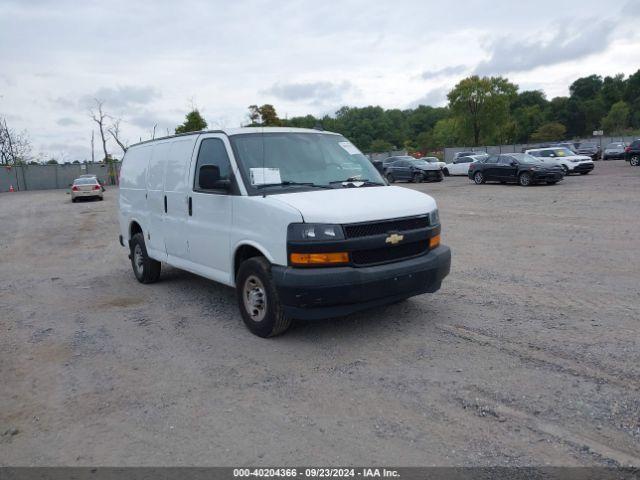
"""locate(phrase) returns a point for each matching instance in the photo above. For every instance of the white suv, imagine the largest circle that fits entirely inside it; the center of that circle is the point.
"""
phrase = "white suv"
(298, 221)
(563, 157)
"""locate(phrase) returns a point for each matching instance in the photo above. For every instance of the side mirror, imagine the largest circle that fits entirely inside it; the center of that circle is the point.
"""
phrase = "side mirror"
(209, 178)
(513, 163)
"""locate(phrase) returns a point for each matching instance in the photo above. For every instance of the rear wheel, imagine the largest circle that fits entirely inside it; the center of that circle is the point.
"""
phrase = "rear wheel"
(525, 179)
(635, 160)
(258, 299)
(478, 177)
(446, 172)
(145, 268)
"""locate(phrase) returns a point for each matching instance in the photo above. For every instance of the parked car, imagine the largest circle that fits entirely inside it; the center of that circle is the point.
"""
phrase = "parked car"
(469, 153)
(571, 146)
(520, 168)
(460, 165)
(87, 187)
(434, 161)
(269, 212)
(410, 169)
(632, 153)
(614, 151)
(92, 175)
(590, 149)
(564, 158)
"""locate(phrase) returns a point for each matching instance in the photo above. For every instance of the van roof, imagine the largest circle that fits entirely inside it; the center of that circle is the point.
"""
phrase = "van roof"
(243, 130)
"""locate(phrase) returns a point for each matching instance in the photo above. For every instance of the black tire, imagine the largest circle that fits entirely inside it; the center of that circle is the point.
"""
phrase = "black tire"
(254, 286)
(146, 269)
(525, 179)
(565, 169)
(445, 172)
(417, 178)
(478, 178)
(73, 200)
(552, 183)
(584, 173)
(390, 178)
(634, 161)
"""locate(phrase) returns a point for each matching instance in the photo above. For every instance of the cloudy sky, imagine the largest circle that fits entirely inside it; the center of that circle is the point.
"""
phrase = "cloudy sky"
(149, 61)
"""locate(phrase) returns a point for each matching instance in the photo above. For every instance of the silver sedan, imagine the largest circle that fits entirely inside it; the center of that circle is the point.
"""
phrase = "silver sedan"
(86, 188)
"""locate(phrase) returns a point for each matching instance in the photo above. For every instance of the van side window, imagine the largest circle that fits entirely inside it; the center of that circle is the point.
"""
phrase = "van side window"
(212, 152)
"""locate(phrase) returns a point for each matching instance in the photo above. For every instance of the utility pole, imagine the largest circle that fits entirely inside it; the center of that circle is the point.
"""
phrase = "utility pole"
(93, 154)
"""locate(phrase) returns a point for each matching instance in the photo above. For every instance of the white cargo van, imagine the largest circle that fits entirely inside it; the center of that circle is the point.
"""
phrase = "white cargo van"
(298, 221)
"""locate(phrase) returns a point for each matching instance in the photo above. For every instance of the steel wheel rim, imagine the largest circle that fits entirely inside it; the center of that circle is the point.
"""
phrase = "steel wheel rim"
(138, 259)
(254, 297)
(478, 177)
(634, 161)
(524, 179)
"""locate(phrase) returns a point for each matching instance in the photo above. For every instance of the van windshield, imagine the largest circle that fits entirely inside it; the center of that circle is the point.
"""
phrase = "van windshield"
(285, 160)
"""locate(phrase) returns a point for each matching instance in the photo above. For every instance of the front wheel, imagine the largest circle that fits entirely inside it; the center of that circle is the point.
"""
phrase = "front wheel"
(258, 299)
(445, 172)
(551, 183)
(635, 160)
(390, 178)
(145, 268)
(417, 178)
(565, 169)
(478, 177)
(584, 173)
(525, 179)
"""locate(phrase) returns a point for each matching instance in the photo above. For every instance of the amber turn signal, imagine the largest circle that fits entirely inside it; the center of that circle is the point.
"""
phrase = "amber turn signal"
(434, 241)
(319, 258)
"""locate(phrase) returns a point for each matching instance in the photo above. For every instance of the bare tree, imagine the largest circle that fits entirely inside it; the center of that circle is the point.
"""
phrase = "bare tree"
(98, 116)
(15, 147)
(114, 131)
(93, 151)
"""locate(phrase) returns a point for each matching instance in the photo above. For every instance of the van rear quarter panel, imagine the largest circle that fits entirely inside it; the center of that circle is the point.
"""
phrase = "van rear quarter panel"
(133, 188)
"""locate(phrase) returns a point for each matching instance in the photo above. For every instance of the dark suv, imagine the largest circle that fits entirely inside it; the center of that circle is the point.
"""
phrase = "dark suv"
(520, 168)
(589, 148)
(632, 153)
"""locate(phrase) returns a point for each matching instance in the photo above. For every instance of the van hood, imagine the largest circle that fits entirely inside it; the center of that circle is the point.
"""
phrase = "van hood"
(358, 204)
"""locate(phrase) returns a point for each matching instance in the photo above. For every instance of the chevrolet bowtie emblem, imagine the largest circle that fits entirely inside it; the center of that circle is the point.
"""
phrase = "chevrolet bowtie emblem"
(394, 238)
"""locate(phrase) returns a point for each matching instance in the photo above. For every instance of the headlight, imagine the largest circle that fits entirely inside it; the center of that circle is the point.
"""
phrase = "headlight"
(434, 217)
(314, 231)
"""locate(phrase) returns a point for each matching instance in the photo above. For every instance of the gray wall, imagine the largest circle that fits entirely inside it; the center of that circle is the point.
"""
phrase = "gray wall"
(381, 156)
(46, 177)
(450, 151)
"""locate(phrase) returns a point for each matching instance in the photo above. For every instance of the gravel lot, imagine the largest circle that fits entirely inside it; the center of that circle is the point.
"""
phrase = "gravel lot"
(528, 355)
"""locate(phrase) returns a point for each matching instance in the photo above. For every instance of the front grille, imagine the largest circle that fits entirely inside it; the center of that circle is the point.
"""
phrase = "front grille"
(380, 228)
(389, 254)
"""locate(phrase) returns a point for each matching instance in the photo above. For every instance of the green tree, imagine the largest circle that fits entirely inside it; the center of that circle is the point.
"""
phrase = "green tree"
(617, 120)
(264, 116)
(52, 161)
(548, 132)
(194, 122)
(481, 105)
(380, 146)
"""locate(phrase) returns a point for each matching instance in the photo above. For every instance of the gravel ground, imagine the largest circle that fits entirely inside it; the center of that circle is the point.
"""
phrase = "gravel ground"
(527, 356)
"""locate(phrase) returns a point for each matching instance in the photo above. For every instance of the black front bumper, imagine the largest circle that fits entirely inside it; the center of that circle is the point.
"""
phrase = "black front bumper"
(546, 176)
(432, 175)
(316, 293)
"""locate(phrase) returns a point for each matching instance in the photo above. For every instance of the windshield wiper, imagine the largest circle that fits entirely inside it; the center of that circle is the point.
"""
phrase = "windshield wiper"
(287, 183)
(365, 181)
